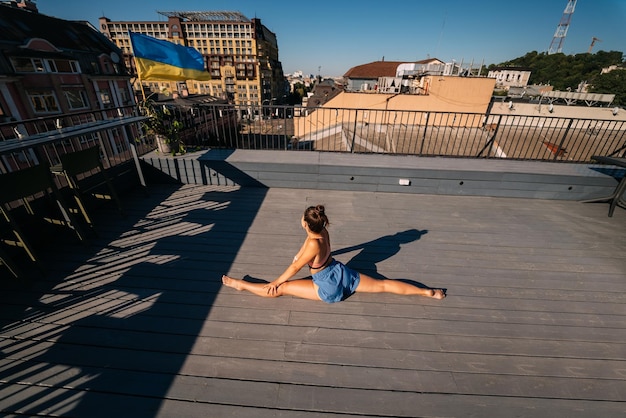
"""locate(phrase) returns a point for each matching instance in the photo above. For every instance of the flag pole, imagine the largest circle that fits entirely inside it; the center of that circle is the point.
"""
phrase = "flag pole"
(143, 93)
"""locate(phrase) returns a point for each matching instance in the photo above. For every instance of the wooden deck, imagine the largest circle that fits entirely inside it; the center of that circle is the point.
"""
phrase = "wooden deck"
(137, 323)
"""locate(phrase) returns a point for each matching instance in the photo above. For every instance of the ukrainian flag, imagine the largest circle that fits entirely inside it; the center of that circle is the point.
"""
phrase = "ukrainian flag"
(162, 60)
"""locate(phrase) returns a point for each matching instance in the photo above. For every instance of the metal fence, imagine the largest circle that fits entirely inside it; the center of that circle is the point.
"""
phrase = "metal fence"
(406, 132)
(421, 133)
(117, 131)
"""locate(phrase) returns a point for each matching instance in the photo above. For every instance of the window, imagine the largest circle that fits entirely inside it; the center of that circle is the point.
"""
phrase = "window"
(39, 66)
(77, 99)
(105, 97)
(3, 116)
(28, 65)
(67, 66)
(125, 97)
(22, 65)
(43, 101)
(52, 67)
(91, 138)
(36, 65)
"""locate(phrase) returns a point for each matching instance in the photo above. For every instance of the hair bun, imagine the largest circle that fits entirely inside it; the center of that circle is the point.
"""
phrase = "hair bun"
(315, 218)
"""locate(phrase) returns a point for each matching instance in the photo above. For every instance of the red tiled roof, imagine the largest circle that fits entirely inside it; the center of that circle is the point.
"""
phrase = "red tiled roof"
(381, 68)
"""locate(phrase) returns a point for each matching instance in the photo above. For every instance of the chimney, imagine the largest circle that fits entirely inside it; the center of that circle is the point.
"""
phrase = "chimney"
(27, 5)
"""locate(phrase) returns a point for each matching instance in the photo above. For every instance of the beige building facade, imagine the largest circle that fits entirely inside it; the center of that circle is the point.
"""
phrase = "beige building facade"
(384, 122)
(507, 77)
(240, 53)
(453, 94)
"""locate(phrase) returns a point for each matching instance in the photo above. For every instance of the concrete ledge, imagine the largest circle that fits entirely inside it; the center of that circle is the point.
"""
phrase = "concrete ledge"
(385, 173)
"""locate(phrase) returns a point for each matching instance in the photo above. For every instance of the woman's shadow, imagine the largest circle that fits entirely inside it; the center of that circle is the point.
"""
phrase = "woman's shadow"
(380, 249)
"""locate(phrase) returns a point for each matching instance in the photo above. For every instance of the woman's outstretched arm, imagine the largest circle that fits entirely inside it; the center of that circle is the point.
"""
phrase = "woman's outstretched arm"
(309, 250)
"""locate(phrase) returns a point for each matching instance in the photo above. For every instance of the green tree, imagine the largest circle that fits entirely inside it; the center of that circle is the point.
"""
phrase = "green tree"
(298, 92)
(613, 82)
(565, 71)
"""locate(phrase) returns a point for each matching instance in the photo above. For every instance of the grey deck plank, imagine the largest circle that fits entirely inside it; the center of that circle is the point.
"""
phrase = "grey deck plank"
(534, 323)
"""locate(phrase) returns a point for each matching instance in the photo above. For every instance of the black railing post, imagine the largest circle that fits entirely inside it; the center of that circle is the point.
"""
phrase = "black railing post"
(356, 112)
(493, 136)
(560, 148)
(424, 136)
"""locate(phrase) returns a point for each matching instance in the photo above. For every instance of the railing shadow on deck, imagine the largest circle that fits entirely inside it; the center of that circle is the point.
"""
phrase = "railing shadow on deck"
(78, 310)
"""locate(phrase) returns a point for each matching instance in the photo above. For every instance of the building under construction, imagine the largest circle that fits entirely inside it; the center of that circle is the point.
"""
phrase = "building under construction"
(240, 53)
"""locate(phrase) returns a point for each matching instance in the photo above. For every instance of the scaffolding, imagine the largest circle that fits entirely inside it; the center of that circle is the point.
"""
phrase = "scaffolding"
(209, 16)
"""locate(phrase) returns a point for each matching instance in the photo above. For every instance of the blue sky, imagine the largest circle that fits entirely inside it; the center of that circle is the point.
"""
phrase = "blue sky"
(330, 37)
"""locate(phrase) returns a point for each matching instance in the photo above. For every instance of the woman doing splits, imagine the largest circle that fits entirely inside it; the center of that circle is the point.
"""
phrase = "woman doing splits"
(331, 281)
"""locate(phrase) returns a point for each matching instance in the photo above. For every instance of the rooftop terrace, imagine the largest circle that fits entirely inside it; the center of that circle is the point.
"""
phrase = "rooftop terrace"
(138, 324)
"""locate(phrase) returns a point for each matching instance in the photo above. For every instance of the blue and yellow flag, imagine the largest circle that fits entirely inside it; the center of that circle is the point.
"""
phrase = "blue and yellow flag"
(157, 59)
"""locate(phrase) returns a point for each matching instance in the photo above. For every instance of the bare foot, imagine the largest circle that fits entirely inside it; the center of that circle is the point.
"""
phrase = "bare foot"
(437, 294)
(230, 282)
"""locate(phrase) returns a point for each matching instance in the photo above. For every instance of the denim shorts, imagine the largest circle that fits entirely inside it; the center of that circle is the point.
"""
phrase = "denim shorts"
(336, 282)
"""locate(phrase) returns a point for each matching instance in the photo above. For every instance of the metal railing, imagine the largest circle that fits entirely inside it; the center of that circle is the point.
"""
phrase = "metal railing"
(122, 137)
(118, 131)
(11, 130)
(406, 132)
(421, 133)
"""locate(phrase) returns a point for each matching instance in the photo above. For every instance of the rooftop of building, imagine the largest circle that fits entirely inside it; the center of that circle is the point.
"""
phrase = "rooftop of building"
(207, 16)
(138, 323)
(381, 68)
(17, 26)
(510, 68)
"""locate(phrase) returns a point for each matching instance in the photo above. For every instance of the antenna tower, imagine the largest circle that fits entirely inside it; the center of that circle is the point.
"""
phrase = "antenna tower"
(561, 30)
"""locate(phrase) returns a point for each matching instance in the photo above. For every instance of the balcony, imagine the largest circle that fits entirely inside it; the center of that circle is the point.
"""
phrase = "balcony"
(138, 323)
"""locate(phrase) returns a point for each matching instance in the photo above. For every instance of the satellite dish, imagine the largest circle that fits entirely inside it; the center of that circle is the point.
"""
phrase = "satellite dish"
(114, 57)
(551, 108)
(615, 110)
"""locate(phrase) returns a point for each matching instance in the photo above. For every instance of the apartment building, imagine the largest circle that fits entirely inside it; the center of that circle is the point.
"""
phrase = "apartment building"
(507, 77)
(60, 79)
(51, 67)
(240, 53)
